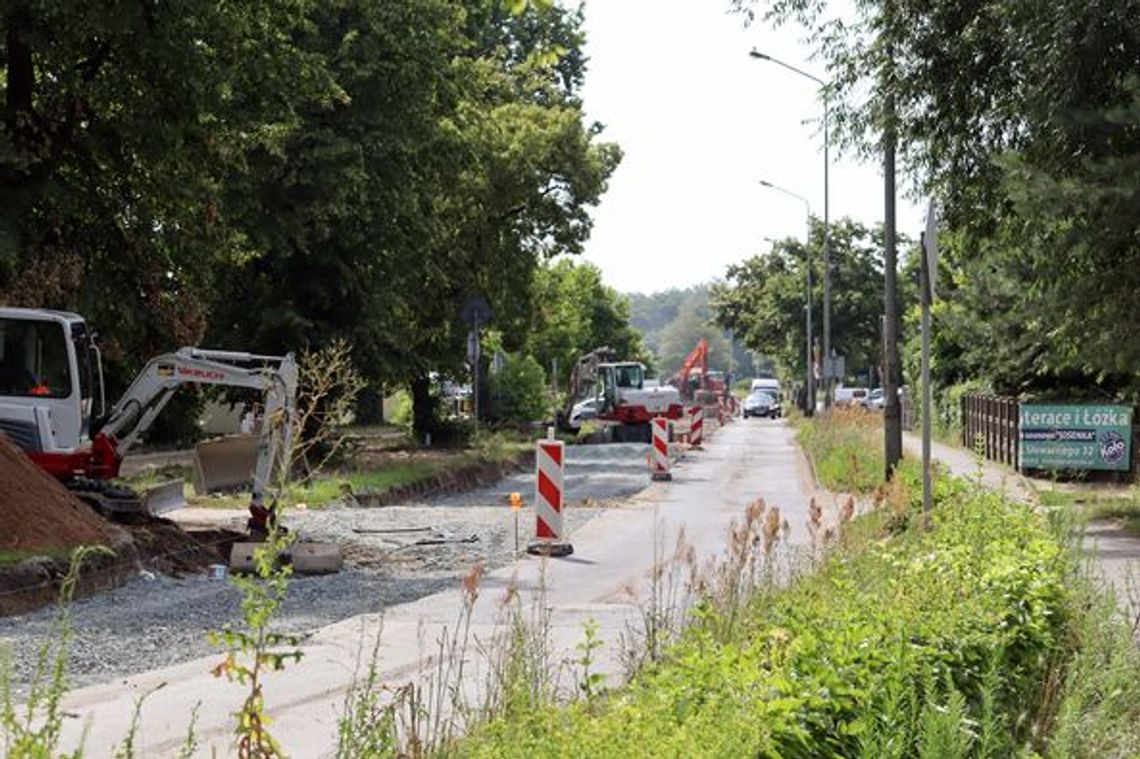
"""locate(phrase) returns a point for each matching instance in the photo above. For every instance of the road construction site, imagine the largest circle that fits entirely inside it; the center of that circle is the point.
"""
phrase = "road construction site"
(393, 554)
(617, 540)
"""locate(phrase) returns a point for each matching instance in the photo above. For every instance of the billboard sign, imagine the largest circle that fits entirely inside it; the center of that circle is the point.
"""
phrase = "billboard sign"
(1075, 437)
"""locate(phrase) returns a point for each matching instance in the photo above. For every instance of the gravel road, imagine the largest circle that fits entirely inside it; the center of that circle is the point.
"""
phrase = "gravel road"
(158, 620)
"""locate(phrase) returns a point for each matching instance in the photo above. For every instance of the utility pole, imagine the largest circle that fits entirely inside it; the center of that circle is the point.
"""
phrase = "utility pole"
(892, 412)
(828, 375)
(927, 297)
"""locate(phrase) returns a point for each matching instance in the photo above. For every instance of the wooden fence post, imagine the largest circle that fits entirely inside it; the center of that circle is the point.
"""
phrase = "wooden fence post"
(1004, 439)
(1008, 457)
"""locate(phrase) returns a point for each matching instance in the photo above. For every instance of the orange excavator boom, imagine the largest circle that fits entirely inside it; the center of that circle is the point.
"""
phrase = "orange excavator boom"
(698, 356)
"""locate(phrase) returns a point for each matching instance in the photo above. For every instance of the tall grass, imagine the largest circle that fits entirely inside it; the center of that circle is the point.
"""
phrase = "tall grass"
(845, 448)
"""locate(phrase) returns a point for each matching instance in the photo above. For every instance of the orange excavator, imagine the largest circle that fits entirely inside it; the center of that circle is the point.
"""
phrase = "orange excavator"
(696, 382)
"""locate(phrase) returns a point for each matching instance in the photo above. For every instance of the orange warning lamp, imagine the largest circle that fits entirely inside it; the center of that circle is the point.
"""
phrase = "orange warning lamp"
(516, 501)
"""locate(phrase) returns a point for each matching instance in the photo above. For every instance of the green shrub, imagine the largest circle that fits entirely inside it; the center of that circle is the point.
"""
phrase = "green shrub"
(948, 406)
(519, 390)
(402, 414)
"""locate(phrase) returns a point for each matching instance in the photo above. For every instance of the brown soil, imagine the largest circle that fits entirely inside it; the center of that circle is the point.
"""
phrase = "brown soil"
(38, 513)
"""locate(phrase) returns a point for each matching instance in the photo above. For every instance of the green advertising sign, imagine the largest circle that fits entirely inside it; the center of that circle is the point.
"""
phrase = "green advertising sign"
(1075, 437)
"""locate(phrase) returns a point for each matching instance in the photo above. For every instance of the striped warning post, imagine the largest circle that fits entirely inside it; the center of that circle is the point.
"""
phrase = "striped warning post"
(549, 531)
(696, 426)
(659, 456)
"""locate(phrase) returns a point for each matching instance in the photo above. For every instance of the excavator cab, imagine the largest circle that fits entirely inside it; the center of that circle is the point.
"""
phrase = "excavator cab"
(613, 378)
(50, 381)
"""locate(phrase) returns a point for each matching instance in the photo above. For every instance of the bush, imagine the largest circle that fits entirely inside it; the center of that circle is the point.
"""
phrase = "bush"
(402, 413)
(518, 390)
(948, 406)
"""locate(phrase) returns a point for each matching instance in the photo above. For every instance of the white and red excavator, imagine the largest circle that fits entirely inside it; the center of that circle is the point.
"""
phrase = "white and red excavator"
(53, 406)
(616, 394)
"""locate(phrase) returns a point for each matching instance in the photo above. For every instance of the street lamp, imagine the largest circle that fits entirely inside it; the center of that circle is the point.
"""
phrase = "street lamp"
(809, 400)
(826, 216)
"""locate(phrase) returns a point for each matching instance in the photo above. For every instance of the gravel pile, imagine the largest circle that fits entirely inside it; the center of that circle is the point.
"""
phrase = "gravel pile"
(157, 620)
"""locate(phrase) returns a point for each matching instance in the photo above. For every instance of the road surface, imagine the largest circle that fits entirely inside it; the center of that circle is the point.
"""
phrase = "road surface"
(605, 580)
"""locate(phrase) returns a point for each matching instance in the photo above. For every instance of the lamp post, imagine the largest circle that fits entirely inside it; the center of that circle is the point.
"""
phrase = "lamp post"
(809, 401)
(827, 378)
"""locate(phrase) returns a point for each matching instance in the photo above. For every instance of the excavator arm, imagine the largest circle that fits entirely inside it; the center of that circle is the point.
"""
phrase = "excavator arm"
(274, 376)
(697, 356)
(583, 376)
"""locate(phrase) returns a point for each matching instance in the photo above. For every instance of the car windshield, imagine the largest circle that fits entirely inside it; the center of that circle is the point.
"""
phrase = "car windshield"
(33, 359)
(760, 398)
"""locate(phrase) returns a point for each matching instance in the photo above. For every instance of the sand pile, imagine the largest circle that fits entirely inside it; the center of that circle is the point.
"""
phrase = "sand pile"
(37, 512)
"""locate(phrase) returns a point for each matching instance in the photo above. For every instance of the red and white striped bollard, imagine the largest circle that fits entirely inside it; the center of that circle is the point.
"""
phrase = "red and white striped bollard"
(696, 426)
(659, 455)
(549, 528)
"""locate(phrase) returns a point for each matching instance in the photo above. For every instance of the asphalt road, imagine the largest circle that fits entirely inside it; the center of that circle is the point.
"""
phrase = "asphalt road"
(606, 580)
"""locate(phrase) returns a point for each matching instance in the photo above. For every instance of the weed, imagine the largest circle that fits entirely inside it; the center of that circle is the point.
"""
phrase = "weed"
(256, 648)
(844, 450)
(592, 683)
(367, 727)
(945, 729)
(126, 748)
(36, 732)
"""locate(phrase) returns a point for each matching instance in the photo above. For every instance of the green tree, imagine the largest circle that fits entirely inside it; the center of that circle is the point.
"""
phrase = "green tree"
(525, 170)
(1020, 117)
(574, 313)
(656, 317)
(693, 321)
(518, 390)
(121, 124)
(762, 299)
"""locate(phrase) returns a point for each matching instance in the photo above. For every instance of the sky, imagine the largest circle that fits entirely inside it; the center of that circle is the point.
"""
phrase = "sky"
(700, 123)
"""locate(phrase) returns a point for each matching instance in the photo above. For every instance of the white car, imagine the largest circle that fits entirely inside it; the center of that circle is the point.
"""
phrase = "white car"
(582, 411)
(850, 396)
(875, 400)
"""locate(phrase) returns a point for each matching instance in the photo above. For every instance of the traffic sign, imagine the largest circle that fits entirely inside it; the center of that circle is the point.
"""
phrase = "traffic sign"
(930, 246)
(476, 312)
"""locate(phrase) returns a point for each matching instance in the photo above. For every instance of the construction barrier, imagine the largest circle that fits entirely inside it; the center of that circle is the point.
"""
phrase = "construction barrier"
(696, 426)
(549, 528)
(659, 457)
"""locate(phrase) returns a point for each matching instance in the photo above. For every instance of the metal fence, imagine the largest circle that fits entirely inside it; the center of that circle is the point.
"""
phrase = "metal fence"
(989, 424)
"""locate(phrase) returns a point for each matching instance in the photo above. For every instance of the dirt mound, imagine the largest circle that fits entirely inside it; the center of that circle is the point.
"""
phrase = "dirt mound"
(165, 547)
(38, 513)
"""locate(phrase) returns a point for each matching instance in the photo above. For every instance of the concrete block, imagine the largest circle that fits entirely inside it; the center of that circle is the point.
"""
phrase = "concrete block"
(306, 558)
(316, 558)
(241, 557)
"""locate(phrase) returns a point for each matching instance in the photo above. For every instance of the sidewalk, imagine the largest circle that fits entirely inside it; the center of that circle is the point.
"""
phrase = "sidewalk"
(1113, 552)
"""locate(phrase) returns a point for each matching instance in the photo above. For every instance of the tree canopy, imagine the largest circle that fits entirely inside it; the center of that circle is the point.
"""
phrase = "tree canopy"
(762, 299)
(1021, 119)
(275, 175)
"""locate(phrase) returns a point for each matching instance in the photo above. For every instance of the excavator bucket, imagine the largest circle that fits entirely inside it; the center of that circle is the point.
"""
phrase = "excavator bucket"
(225, 463)
(163, 498)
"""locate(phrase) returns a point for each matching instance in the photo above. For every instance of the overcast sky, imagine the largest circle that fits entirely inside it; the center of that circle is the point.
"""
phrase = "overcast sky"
(700, 123)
